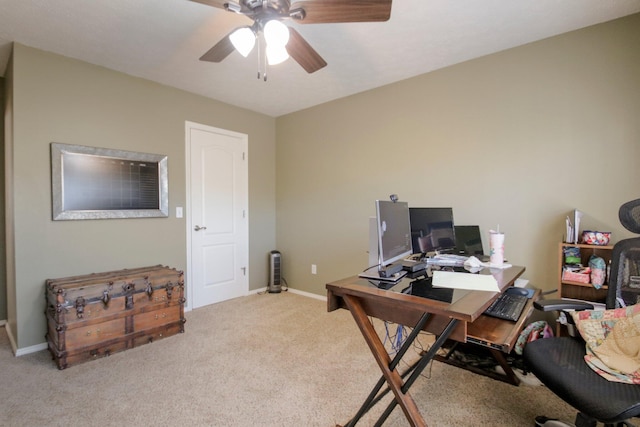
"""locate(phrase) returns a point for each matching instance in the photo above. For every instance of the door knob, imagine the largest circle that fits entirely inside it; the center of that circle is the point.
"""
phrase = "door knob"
(198, 228)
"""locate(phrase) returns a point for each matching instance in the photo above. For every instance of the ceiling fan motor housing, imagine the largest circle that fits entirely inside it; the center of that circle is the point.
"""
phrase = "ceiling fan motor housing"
(256, 9)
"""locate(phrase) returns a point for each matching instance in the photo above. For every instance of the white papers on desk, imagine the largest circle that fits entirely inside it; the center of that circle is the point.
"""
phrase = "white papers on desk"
(502, 266)
(475, 282)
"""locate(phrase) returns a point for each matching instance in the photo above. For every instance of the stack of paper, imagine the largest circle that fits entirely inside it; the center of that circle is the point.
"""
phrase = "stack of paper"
(454, 280)
(572, 228)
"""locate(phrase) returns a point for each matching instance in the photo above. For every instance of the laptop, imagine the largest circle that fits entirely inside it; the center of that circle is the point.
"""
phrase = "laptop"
(469, 242)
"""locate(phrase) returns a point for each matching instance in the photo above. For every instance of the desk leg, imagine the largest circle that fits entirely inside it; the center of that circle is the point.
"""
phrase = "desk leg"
(510, 376)
(387, 366)
(419, 367)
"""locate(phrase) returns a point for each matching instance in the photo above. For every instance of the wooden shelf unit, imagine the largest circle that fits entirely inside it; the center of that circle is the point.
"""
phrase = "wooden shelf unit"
(578, 290)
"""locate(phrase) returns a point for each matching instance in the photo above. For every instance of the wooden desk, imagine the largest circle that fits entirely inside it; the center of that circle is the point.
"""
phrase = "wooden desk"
(447, 320)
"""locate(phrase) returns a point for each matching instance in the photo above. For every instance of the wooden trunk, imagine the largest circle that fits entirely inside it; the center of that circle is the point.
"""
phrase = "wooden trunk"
(99, 314)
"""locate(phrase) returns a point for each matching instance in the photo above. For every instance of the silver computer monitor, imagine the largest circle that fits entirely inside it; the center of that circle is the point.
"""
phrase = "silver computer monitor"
(394, 231)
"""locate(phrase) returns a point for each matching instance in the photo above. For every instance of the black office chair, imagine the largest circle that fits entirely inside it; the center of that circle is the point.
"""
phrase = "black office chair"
(559, 362)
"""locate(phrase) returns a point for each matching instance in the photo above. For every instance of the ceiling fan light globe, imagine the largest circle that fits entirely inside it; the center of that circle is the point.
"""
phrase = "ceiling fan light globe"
(276, 54)
(243, 39)
(276, 33)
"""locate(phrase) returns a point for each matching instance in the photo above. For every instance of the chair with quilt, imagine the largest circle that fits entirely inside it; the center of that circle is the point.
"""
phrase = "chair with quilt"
(598, 373)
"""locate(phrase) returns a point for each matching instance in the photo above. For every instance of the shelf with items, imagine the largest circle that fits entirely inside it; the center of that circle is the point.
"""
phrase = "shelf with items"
(578, 289)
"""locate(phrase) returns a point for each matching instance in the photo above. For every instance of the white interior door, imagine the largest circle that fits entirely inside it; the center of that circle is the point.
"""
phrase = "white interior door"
(217, 217)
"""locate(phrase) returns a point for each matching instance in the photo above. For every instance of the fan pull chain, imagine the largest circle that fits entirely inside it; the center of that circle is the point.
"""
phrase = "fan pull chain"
(265, 6)
(266, 65)
(259, 74)
(259, 59)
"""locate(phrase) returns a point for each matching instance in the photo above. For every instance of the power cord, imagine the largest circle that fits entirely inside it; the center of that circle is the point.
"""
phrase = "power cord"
(395, 339)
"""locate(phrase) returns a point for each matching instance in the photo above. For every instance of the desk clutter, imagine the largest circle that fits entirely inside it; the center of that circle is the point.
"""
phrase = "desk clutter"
(584, 263)
(585, 259)
(595, 272)
(403, 238)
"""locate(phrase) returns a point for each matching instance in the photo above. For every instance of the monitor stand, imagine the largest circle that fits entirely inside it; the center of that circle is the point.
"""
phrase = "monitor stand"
(390, 270)
(390, 273)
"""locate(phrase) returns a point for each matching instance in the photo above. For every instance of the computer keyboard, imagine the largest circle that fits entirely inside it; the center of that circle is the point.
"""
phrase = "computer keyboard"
(507, 306)
(447, 260)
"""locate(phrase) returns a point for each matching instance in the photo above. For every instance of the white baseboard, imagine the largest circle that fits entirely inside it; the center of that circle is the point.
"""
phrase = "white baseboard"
(21, 351)
(32, 349)
(293, 291)
(308, 294)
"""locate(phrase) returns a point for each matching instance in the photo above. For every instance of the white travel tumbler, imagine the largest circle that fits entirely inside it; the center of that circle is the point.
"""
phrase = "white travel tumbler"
(496, 248)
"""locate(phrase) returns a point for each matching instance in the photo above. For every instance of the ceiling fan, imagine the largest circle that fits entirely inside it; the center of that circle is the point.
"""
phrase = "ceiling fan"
(283, 41)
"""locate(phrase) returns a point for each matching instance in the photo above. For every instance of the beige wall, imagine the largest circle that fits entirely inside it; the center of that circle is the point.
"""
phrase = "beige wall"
(57, 99)
(518, 138)
(9, 246)
(3, 278)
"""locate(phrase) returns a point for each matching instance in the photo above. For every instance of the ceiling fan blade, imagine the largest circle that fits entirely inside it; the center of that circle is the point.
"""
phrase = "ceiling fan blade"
(215, 3)
(303, 53)
(336, 11)
(221, 50)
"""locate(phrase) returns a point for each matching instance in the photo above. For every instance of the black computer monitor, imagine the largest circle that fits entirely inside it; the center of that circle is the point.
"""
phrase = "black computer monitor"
(432, 230)
(468, 240)
(394, 231)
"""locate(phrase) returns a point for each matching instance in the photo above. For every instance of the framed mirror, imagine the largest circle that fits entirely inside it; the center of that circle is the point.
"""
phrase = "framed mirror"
(102, 183)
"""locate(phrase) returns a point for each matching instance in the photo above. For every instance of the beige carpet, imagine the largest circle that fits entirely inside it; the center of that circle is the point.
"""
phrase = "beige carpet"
(261, 360)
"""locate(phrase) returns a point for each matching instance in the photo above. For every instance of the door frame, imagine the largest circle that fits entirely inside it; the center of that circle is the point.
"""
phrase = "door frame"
(189, 226)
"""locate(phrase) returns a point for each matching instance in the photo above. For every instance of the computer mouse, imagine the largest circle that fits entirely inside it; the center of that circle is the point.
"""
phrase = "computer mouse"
(517, 291)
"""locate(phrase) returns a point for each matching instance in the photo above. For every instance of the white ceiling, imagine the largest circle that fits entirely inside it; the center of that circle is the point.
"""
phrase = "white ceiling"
(161, 40)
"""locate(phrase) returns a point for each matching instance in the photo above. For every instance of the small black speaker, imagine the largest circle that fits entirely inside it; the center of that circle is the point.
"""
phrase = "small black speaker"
(275, 278)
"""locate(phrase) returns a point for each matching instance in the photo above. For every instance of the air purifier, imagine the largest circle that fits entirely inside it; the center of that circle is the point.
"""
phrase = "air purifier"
(275, 278)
